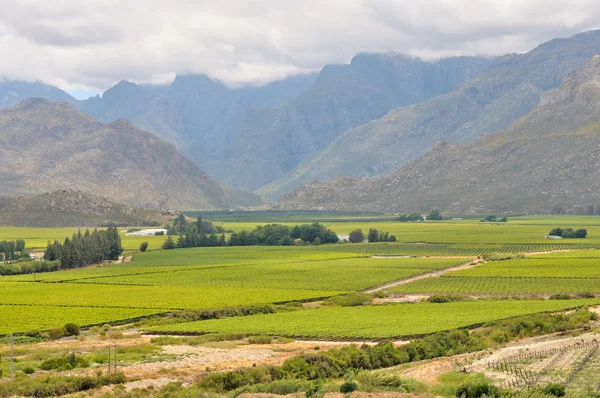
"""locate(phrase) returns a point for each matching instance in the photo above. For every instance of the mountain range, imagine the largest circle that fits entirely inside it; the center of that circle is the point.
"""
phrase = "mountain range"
(48, 146)
(488, 103)
(368, 118)
(546, 162)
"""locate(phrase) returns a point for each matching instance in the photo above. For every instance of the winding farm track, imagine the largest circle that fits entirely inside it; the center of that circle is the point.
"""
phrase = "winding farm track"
(470, 264)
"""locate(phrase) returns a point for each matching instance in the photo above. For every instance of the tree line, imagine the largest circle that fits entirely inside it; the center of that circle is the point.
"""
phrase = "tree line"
(12, 249)
(568, 233)
(197, 234)
(374, 235)
(85, 248)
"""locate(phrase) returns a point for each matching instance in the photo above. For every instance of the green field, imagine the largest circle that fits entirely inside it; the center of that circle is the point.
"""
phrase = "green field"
(19, 318)
(201, 278)
(564, 272)
(383, 321)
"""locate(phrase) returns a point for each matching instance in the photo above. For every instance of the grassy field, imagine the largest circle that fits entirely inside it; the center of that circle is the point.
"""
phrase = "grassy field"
(383, 321)
(159, 281)
(570, 272)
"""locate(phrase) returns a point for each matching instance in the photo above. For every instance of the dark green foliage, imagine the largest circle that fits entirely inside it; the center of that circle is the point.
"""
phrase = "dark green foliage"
(143, 246)
(557, 390)
(445, 298)
(434, 215)
(169, 244)
(72, 329)
(561, 296)
(268, 235)
(495, 219)
(348, 387)
(29, 267)
(409, 217)
(477, 390)
(85, 249)
(356, 236)
(379, 236)
(310, 232)
(56, 386)
(350, 300)
(65, 363)
(9, 250)
(227, 312)
(569, 233)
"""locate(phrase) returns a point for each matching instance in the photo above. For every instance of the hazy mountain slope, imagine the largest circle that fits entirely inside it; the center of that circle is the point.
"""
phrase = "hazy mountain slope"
(272, 142)
(197, 114)
(547, 161)
(486, 104)
(71, 209)
(13, 91)
(46, 146)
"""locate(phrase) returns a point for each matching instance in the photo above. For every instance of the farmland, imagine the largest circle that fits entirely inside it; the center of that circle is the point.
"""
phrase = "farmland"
(202, 278)
(369, 322)
(331, 293)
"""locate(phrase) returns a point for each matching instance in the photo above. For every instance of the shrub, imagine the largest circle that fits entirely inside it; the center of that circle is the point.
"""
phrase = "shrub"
(348, 387)
(557, 390)
(28, 370)
(350, 300)
(560, 296)
(72, 329)
(143, 246)
(445, 298)
(477, 390)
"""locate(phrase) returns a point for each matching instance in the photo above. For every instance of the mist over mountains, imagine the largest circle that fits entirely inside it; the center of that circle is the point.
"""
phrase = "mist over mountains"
(368, 118)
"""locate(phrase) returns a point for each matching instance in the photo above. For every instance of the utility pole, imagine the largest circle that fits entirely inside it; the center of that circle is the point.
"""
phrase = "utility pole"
(12, 359)
(115, 358)
(109, 360)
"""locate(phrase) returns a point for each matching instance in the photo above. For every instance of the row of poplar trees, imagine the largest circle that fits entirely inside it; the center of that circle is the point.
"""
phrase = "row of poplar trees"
(86, 248)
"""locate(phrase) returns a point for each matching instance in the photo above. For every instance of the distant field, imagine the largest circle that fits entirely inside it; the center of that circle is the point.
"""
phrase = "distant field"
(369, 322)
(200, 278)
(563, 272)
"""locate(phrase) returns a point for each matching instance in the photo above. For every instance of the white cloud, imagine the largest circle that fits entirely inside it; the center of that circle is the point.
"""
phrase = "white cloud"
(92, 44)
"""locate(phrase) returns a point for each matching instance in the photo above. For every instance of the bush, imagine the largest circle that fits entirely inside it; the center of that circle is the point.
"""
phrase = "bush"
(561, 296)
(348, 387)
(143, 246)
(557, 390)
(350, 300)
(477, 390)
(445, 298)
(72, 329)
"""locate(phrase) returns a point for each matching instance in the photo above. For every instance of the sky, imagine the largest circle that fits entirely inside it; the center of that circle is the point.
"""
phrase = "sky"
(85, 47)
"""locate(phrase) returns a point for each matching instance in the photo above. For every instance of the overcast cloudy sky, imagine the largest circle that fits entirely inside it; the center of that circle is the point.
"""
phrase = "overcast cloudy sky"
(89, 45)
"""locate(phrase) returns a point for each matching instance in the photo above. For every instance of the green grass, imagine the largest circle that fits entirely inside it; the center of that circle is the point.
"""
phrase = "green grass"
(373, 322)
(338, 275)
(499, 286)
(147, 297)
(17, 318)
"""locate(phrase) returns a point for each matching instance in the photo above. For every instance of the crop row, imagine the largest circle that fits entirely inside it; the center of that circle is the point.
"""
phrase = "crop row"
(499, 286)
(562, 267)
(24, 318)
(346, 275)
(147, 297)
(375, 322)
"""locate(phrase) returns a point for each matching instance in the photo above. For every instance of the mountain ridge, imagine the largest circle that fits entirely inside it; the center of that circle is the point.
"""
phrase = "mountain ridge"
(545, 162)
(488, 103)
(46, 146)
